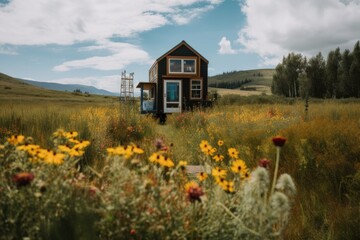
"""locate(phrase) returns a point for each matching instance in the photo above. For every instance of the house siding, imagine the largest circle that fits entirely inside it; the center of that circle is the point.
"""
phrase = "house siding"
(162, 74)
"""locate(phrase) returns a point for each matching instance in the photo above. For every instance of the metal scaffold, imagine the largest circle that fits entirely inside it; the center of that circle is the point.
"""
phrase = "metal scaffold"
(127, 87)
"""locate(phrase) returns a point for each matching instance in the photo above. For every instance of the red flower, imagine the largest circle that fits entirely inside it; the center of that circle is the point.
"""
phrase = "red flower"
(194, 193)
(23, 178)
(279, 141)
(132, 232)
(265, 163)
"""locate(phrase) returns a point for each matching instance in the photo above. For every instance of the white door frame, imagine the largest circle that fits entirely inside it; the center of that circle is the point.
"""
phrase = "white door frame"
(172, 109)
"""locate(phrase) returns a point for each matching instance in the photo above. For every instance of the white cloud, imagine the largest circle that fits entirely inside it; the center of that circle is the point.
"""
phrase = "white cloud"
(121, 54)
(225, 47)
(110, 83)
(65, 22)
(40, 22)
(275, 28)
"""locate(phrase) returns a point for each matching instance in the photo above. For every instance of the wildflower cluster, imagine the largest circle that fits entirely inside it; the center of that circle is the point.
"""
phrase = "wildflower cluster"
(225, 174)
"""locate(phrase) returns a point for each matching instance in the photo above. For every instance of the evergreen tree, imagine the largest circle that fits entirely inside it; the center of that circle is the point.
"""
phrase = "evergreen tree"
(346, 86)
(315, 72)
(332, 73)
(355, 70)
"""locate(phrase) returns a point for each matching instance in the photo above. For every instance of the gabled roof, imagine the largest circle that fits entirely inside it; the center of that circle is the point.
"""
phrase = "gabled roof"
(179, 45)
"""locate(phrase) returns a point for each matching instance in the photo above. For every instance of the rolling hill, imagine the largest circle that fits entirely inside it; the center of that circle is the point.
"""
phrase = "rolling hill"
(70, 87)
(247, 82)
(16, 90)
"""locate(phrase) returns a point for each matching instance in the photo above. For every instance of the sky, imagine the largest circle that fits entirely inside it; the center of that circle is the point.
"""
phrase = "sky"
(91, 42)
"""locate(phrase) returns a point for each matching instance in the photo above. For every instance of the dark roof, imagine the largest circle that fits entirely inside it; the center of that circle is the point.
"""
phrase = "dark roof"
(145, 85)
(179, 45)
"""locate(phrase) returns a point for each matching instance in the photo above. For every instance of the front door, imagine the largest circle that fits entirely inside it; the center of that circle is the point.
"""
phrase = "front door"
(172, 96)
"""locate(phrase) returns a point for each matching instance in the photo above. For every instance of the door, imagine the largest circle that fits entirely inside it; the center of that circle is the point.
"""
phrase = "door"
(172, 96)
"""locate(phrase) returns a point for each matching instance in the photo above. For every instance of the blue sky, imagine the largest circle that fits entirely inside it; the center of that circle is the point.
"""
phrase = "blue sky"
(91, 41)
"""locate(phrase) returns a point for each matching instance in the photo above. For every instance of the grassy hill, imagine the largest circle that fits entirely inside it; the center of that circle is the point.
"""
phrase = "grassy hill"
(15, 90)
(256, 81)
(70, 87)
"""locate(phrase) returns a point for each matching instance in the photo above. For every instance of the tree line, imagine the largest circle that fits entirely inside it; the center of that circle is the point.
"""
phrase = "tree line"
(336, 77)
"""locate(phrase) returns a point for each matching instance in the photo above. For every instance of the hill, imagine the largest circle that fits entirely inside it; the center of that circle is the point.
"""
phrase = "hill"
(70, 87)
(16, 90)
(257, 81)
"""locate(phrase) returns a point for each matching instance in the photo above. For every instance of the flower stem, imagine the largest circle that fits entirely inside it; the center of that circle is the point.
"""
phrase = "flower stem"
(276, 169)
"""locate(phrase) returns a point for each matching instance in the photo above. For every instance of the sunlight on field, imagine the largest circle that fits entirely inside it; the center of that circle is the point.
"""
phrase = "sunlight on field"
(131, 180)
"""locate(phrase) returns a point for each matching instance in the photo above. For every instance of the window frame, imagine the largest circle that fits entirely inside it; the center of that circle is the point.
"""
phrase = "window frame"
(182, 70)
(191, 88)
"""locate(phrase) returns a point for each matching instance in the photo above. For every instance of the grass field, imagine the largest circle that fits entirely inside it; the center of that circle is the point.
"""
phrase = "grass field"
(124, 193)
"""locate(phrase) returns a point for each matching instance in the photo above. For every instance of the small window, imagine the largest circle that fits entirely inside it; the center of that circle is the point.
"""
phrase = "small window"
(175, 65)
(187, 66)
(196, 89)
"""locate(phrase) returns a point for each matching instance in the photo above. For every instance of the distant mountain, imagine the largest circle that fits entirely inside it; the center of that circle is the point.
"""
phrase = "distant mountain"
(14, 90)
(70, 87)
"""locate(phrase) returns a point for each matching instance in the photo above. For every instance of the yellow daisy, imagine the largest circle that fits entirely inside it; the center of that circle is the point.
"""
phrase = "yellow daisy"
(218, 157)
(202, 176)
(233, 153)
(218, 172)
(238, 166)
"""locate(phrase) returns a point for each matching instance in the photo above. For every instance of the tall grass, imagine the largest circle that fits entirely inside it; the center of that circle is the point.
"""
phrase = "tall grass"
(322, 151)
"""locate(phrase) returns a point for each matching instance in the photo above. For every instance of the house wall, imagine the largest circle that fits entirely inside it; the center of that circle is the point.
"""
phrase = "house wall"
(162, 74)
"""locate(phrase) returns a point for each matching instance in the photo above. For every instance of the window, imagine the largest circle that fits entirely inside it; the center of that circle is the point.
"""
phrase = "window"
(196, 89)
(182, 66)
(189, 66)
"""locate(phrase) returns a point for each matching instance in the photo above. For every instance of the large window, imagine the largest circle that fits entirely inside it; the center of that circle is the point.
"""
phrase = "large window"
(196, 89)
(182, 65)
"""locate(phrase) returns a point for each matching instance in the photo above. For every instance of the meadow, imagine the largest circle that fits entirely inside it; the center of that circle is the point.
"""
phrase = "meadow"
(103, 171)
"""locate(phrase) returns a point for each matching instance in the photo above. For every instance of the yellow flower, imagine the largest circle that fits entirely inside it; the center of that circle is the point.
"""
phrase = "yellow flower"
(156, 157)
(54, 158)
(182, 164)
(220, 143)
(233, 153)
(218, 172)
(120, 151)
(72, 152)
(59, 133)
(166, 162)
(82, 144)
(228, 186)
(238, 166)
(2, 147)
(190, 184)
(205, 147)
(71, 134)
(218, 157)
(136, 149)
(16, 139)
(204, 144)
(210, 151)
(245, 174)
(202, 176)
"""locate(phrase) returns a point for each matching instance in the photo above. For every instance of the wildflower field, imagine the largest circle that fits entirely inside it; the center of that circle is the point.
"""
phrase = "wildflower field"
(235, 171)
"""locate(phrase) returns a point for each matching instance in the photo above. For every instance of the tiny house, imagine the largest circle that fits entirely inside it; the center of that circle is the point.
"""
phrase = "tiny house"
(177, 82)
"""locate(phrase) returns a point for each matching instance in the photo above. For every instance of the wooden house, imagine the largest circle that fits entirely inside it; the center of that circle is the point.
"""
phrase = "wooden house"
(177, 82)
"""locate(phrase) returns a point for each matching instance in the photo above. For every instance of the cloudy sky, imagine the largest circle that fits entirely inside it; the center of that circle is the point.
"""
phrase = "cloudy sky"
(92, 41)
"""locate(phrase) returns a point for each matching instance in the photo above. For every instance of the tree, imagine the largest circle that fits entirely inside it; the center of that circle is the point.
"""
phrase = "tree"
(346, 88)
(286, 77)
(355, 70)
(332, 73)
(315, 72)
